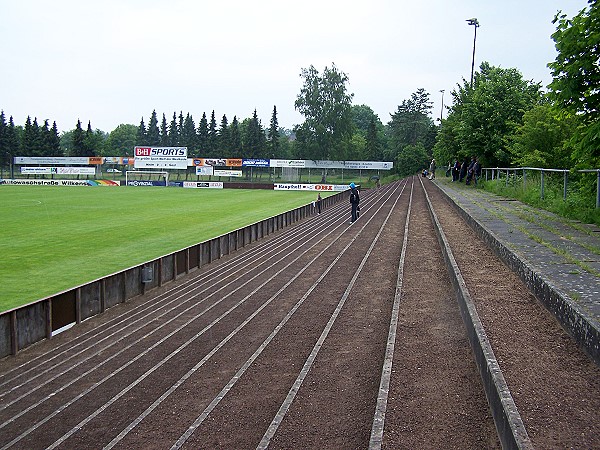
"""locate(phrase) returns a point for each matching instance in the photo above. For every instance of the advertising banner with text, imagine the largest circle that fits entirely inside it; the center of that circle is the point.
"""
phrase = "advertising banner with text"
(26, 182)
(160, 157)
(58, 170)
(203, 184)
(227, 173)
(310, 187)
(204, 170)
(59, 160)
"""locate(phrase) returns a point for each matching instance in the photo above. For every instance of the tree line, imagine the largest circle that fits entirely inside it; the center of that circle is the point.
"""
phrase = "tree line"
(499, 116)
(509, 121)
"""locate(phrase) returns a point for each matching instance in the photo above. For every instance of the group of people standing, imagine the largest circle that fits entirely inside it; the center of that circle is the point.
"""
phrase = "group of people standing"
(469, 171)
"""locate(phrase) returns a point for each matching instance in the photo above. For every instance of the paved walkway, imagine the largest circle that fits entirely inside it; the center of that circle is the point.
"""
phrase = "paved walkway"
(558, 258)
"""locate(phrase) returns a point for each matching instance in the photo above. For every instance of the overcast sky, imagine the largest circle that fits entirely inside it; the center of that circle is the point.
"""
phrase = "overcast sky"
(114, 61)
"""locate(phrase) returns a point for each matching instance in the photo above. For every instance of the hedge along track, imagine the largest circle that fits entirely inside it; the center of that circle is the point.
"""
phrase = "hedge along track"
(168, 297)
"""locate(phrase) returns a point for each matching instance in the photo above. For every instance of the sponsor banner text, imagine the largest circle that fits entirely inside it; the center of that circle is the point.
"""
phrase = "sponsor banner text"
(310, 187)
(203, 184)
(227, 173)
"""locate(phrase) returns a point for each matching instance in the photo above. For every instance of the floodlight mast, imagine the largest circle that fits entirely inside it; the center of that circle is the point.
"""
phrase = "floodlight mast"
(475, 24)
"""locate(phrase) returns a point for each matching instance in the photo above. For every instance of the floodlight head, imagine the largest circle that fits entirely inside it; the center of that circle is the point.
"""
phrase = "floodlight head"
(473, 21)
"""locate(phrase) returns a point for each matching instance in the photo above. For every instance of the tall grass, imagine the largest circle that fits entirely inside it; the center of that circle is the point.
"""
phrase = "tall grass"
(54, 238)
(580, 203)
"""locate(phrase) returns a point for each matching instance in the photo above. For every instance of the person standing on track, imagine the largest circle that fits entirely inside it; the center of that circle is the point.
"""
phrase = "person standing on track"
(432, 168)
(319, 202)
(354, 201)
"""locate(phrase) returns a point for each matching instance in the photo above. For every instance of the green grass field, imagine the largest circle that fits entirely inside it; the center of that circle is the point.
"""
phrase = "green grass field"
(54, 238)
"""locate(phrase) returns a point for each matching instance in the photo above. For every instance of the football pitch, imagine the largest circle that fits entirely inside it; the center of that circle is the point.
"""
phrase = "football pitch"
(54, 238)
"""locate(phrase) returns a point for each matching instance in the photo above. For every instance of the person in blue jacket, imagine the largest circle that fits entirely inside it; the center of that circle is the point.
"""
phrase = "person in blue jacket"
(354, 201)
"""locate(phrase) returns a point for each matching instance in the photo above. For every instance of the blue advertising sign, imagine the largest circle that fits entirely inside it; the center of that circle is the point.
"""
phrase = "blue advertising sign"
(256, 163)
(138, 183)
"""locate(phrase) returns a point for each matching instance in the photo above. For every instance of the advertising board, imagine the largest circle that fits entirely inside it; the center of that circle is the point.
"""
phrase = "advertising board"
(160, 157)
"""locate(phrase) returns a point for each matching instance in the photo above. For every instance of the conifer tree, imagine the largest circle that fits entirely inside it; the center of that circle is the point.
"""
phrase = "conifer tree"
(188, 135)
(223, 134)
(180, 125)
(46, 138)
(4, 151)
(92, 142)
(78, 145)
(141, 134)
(88, 137)
(273, 141)
(153, 133)
(164, 132)
(255, 140)
(235, 138)
(174, 138)
(38, 141)
(3, 135)
(28, 140)
(203, 136)
(212, 137)
(13, 142)
(54, 143)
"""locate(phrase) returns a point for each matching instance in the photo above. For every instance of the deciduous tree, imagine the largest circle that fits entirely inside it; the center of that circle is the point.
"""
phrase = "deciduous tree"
(576, 78)
(544, 139)
(121, 140)
(485, 115)
(325, 104)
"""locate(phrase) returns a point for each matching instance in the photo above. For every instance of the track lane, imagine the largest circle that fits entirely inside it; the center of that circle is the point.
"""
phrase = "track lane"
(129, 363)
(242, 357)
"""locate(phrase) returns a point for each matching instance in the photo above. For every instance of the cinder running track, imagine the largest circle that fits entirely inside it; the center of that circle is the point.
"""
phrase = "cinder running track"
(323, 335)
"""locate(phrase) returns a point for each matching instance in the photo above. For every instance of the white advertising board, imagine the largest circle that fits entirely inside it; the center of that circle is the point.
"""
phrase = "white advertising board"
(203, 184)
(310, 187)
(52, 160)
(160, 157)
(58, 170)
(295, 163)
(310, 164)
(204, 170)
(227, 173)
